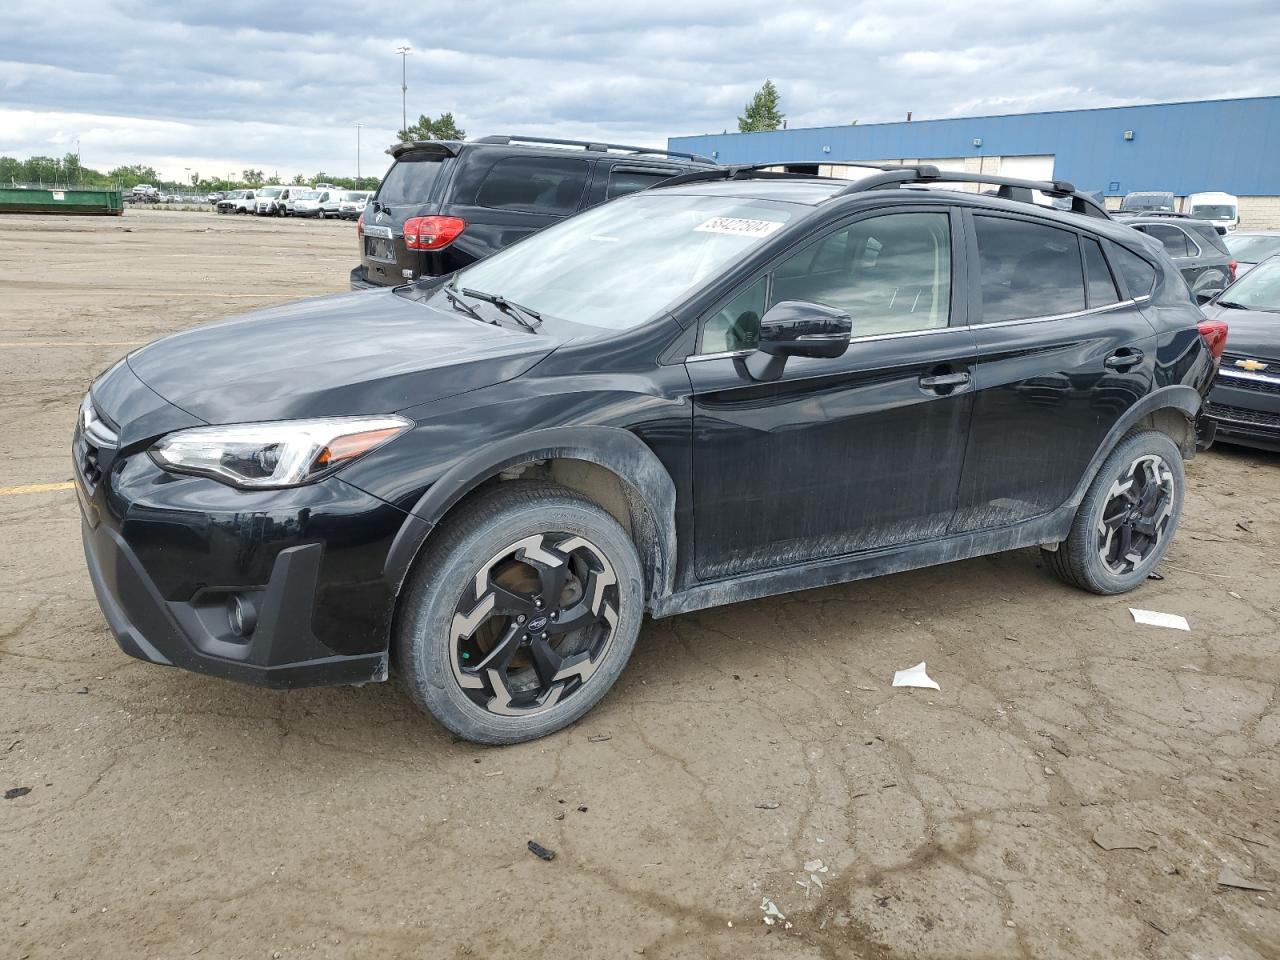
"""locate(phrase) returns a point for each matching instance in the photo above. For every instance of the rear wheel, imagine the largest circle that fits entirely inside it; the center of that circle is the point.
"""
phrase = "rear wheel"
(1127, 519)
(523, 614)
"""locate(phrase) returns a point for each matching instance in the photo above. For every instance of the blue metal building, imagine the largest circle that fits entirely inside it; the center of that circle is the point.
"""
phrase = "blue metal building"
(1227, 145)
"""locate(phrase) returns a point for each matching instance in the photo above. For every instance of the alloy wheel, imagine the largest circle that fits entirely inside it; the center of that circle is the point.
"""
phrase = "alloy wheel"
(535, 624)
(1135, 517)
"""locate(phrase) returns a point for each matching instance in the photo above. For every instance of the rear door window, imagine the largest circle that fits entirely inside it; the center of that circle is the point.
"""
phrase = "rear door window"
(624, 179)
(1102, 286)
(1175, 242)
(548, 185)
(411, 179)
(1028, 270)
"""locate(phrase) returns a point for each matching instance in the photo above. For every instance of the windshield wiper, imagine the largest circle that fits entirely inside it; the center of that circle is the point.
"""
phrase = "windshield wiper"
(529, 319)
(461, 304)
(1231, 305)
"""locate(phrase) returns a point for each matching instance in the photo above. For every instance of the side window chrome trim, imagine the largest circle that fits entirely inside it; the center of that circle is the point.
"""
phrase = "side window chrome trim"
(1063, 316)
(868, 338)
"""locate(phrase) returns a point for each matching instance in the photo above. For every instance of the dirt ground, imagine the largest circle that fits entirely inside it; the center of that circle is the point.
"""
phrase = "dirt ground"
(749, 754)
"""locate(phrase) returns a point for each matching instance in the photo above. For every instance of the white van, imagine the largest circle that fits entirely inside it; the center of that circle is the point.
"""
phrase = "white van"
(1220, 209)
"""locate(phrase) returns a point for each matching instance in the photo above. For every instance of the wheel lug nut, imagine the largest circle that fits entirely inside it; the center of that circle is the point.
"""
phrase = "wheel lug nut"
(555, 614)
(520, 619)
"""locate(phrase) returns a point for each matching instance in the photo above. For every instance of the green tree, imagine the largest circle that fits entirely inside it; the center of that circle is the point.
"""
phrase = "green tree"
(441, 128)
(299, 180)
(253, 177)
(762, 112)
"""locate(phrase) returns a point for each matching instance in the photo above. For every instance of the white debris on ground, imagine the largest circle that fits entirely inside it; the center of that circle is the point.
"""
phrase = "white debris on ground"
(812, 869)
(1156, 619)
(915, 677)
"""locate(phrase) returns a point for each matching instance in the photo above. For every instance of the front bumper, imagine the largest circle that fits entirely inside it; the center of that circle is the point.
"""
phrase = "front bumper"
(168, 556)
(1245, 409)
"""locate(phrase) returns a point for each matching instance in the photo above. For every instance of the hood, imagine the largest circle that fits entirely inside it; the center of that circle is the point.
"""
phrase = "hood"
(357, 353)
(1250, 333)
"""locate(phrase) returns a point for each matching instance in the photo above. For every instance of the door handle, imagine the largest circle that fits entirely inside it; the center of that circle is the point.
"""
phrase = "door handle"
(944, 380)
(1123, 359)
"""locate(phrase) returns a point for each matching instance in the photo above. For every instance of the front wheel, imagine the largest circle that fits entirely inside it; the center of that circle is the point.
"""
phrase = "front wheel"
(1127, 519)
(522, 615)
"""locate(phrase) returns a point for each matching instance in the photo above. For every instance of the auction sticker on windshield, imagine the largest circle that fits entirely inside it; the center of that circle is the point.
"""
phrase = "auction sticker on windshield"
(738, 226)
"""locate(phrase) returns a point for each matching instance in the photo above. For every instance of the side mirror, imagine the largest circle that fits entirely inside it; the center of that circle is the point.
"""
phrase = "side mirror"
(798, 328)
(1209, 293)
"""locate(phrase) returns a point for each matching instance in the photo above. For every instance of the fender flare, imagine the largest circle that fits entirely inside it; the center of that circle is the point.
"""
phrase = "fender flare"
(647, 485)
(1180, 397)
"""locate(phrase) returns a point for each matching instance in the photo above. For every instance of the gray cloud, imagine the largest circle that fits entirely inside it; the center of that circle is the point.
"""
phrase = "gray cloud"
(218, 86)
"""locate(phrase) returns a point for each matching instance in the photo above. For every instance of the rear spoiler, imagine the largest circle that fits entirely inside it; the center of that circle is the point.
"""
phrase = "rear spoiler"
(445, 148)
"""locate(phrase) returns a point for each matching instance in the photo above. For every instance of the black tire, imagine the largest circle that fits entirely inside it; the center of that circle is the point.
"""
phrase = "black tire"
(1096, 556)
(444, 611)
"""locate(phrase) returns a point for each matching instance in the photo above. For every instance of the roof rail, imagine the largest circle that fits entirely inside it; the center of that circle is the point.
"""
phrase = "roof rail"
(766, 171)
(595, 145)
(1011, 188)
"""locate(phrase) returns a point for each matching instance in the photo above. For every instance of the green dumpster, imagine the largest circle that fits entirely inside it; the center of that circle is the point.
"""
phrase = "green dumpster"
(91, 201)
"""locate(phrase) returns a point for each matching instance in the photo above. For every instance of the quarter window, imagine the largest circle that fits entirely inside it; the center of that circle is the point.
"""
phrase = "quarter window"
(1139, 276)
(1102, 287)
(736, 326)
(550, 185)
(1028, 270)
(891, 273)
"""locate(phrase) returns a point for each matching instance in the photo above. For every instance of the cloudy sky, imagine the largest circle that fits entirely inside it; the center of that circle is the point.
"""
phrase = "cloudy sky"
(220, 86)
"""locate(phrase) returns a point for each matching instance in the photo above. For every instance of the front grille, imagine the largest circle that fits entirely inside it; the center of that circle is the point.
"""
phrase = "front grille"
(1248, 383)
(1242, 415)
(94, 446)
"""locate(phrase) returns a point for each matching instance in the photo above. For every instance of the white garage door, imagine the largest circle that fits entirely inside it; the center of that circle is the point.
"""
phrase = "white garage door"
(1027, 168)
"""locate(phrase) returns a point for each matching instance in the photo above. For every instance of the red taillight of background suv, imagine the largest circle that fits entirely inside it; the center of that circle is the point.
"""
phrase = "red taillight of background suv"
(1233, 267)
(1214, 333)
(432, 233)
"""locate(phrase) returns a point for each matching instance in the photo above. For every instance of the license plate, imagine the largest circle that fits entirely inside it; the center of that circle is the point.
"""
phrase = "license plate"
(376, 248)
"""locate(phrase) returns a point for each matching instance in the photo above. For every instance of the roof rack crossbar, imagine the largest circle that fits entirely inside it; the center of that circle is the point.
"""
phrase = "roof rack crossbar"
(1011, 188)
(769, 171)
(594, 145)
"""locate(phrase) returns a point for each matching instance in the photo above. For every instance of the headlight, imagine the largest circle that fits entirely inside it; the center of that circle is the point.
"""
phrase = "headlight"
(283, 453)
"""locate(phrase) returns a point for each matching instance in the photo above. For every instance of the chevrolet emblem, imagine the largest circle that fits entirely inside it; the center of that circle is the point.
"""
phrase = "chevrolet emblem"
(1251, 365)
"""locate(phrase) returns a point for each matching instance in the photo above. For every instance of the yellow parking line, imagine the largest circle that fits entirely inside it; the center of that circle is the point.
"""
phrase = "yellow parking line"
(36, 488)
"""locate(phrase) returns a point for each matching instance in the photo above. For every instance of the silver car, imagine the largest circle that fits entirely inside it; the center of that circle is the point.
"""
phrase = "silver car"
(1250, 247)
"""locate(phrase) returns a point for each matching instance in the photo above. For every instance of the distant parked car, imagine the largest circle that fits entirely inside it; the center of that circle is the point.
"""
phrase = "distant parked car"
(1220, 209)
(1147, 201)
(309, 203)
(1244, 405)
(352, 203)
(445, 204)
(1251, 247)
(237, 201)
(215, 195)
(1194, 246)
(267, 201)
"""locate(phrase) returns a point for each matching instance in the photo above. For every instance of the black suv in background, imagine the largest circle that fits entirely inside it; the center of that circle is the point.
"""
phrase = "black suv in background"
(445, 204)
(1195, 247)
(737, 384)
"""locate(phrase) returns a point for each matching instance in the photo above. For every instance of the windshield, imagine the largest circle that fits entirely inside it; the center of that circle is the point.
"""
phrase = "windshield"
(309, 195)
(270, 191)
(1259, 289)
(1252, 248)
(353, 195)
(620, 264)
(411, 178)
(1213, 211)
(1148, 201)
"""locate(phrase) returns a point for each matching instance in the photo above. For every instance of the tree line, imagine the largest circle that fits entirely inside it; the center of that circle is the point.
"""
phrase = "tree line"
(68, 171)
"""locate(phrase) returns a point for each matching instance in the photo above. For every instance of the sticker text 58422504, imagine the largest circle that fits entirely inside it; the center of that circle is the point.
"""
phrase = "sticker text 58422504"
(739, 226)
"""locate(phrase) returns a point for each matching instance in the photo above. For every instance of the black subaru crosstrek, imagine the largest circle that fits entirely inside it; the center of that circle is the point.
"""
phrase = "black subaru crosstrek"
(733, 386)
(445, 204)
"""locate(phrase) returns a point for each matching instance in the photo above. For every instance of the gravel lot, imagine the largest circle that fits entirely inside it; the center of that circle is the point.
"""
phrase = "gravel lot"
(752, 752)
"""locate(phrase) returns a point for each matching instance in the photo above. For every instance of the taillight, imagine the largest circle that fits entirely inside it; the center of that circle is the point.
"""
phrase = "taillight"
(1214, 333)
(432, 233)
(1233, 266)
(360, 226)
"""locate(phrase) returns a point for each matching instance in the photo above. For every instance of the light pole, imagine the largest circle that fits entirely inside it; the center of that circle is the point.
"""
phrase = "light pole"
(358, 126)
(404, 50)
